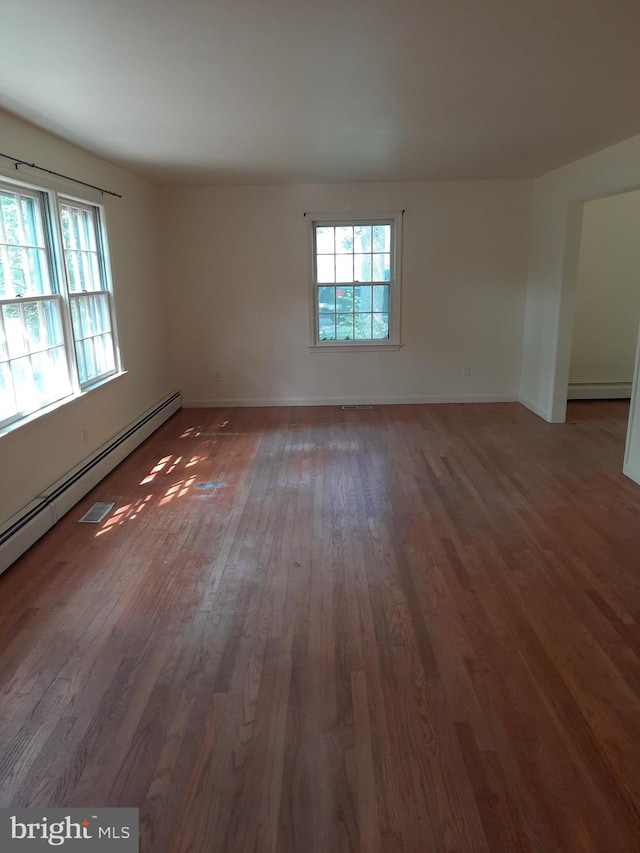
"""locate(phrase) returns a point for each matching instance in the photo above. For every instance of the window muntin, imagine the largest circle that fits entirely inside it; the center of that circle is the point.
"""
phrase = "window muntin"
(354, 281)
(56, 307)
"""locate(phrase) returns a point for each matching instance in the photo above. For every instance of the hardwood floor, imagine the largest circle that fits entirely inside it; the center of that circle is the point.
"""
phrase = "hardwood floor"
(414, 628)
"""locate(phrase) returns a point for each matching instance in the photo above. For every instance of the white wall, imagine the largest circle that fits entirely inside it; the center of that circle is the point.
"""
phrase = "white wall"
(555, 240)
(235, 261)
(35, 455)
(607, 307)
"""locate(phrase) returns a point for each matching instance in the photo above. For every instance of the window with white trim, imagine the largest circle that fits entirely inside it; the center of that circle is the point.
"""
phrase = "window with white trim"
(356, 280)
(57, 325)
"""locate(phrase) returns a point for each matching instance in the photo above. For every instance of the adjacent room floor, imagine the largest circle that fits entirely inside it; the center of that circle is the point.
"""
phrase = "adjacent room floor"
(413, 628)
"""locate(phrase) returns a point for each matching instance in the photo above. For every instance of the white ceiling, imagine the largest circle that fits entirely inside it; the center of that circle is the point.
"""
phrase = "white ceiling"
(251, 91)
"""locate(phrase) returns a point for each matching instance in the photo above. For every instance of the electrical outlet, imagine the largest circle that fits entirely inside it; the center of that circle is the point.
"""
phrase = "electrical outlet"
(218, 376)
(85, 436)
(466, 371)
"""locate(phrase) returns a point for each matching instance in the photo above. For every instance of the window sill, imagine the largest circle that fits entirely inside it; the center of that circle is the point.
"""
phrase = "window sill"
(59, 404)
(361, 347)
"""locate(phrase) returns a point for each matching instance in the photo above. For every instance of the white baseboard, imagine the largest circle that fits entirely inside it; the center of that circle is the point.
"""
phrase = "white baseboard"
(344, 401)
(631, 472)
(537, 410)
(599, 391)
(33, 521)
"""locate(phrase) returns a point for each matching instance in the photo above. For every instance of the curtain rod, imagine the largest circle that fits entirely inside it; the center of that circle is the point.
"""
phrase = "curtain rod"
(18, 162)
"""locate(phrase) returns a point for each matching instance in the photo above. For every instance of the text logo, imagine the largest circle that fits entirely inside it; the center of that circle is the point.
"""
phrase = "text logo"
(77, 830)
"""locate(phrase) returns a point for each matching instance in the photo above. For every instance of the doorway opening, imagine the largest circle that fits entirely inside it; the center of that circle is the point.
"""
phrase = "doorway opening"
(606, 308)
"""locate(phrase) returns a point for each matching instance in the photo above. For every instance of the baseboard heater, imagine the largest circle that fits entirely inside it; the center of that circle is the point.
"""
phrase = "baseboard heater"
(599, 391)
(23, 530)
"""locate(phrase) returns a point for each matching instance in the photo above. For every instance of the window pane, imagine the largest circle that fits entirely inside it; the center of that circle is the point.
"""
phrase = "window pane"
(7, 400)
(78, 228)
(65, 222)
(381, 238)
(4, 352)
(33, 326)
(75, 318)
(81, 248)
(95, 272)
(344, 299)
(53, 322)
(82, 367)
(9, 207)
(26, 395)
(363, 327)
(326, 268)
(324, 240)
(344, 267)
(73, 276)
(326, 299)
(344, 324)
(362, 298)
(381, 297)
(50, 379)
(40, 367)
(102, 319)
(90, 358)
(24, 269)
(59, 373)
(16, 338)
(87, 264)
(362, 271)
(95, 353)
(382, 267)
(362, 238)
(380, 326)
(326, 327)
(18, 278)
(104, 354)
(84, 317)
(344, 239)
(38, 272)
(30, 221)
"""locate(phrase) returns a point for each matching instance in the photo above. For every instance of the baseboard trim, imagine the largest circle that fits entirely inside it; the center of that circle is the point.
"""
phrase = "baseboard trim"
(33, 521)
(599, 391)
(537, 410)
(631, 472)
(341, 401)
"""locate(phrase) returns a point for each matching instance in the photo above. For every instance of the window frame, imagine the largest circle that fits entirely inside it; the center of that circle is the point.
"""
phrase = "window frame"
(49, 201)
(106, 289)
(394, 219)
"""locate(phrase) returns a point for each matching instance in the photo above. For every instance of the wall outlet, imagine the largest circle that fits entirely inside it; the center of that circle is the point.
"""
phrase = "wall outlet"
(218, 376)
(85, 436)
(466, 371)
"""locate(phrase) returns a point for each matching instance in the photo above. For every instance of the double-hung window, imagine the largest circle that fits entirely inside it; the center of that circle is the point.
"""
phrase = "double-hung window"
(89, 295)
(355, 280)
(57, 329)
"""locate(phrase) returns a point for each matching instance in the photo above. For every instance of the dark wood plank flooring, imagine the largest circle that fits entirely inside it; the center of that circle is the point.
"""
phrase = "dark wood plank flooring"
(414, 628)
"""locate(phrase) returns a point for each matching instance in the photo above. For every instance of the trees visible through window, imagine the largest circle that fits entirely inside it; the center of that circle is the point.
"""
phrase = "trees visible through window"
(56, 312)
(355, 265)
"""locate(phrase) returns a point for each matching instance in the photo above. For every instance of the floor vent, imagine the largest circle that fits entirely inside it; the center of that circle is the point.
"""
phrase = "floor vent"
(21, 531)
(358, 408)
(97, 513)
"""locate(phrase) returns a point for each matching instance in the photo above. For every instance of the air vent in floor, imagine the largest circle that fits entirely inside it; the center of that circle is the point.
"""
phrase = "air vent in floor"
(351, 408)
(97, 513)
